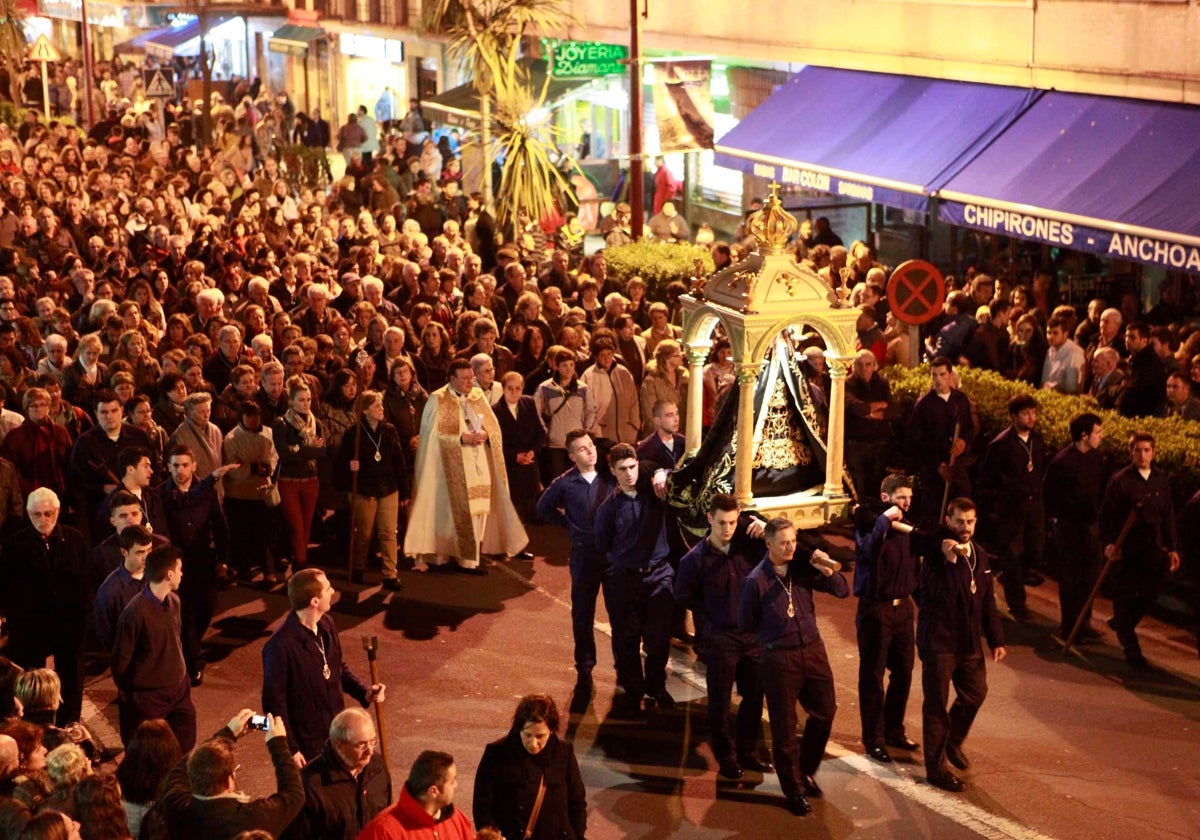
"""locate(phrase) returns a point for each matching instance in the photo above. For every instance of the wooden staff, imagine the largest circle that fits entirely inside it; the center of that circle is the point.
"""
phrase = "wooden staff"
(371, 646)
(1108, 561)
(950, 471)
(354, 490)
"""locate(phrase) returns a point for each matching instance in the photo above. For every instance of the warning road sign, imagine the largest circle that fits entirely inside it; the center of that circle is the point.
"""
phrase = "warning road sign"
(916, 292)
(160, 83)
(43, 50)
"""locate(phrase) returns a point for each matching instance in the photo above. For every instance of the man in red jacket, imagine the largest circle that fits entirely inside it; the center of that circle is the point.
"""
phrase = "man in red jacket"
(425, 809)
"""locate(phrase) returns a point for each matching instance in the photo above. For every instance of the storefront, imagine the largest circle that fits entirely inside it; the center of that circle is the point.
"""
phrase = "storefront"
(379, 67)
(1104, 192)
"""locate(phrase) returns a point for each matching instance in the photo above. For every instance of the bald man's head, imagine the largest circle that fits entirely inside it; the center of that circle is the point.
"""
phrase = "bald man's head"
(10, 756)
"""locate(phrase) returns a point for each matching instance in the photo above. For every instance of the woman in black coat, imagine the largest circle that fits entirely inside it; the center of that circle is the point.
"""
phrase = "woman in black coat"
(403, 404)
(513, 768)
(524, 436)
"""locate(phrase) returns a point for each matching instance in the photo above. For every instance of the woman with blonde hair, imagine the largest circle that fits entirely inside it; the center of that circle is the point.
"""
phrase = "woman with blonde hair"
(133, 348)
(86, 375)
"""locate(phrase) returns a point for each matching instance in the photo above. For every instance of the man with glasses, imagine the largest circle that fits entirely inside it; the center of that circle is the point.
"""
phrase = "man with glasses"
(303, 671)
(43, 592)
(348, 784)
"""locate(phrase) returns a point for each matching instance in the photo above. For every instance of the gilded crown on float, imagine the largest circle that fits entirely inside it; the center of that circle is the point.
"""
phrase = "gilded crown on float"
(770, 281)
(772, 226)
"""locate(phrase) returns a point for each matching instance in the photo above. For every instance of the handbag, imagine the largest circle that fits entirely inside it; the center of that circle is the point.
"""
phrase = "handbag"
(271, 497)
(537, 807)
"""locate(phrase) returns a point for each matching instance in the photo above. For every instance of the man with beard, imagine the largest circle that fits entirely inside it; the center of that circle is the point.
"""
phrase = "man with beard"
(957, 609)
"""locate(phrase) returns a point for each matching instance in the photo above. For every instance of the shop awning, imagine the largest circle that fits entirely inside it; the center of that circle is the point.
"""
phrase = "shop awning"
(870, 136)
(1110, 176)
(137, 44)
(165, 44)
(293, 39)
(460, 106)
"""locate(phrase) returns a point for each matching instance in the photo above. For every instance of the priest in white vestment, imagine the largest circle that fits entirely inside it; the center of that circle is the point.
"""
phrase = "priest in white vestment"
(461, 507)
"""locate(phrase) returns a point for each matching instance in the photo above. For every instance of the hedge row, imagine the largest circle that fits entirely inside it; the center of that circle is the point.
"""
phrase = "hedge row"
(1178, 441)
(658, 263)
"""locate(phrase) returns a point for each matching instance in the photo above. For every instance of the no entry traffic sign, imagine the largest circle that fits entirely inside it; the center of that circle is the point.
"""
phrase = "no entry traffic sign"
(916, 291)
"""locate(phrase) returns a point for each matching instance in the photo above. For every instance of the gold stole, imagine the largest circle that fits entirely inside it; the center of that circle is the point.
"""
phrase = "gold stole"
(468, 496)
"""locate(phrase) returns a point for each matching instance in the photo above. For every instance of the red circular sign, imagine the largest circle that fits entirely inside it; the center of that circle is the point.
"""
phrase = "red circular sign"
(916, 292)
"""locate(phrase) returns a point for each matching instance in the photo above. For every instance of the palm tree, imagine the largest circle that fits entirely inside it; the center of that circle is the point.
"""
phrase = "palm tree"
(486, 35)
(13, 45)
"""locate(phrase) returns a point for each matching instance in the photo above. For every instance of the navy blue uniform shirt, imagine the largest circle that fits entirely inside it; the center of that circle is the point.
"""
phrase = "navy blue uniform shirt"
(709, 581)
(578, 501)
(885, 567)
(631, 530)
(764, 604)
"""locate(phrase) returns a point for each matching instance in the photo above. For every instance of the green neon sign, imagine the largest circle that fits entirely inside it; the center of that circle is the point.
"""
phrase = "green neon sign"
(587, 59)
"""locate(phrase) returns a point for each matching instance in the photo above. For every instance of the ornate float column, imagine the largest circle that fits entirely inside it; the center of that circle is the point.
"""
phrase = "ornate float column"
(835, 445)
(696, 354)
(747, 379)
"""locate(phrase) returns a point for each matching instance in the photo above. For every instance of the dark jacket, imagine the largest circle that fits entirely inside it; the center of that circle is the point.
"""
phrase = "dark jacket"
(1013, 469)
(167, 414)
(75, 390)
(988, 348)
(506, 786)
(651, 448)
(403, 410)
(377, 479)
(523, 433)
(294, 688)
(951, 618)
(219, 818)
(196, 524)
(94, 462)
(43, 584)
(1074, 485)
(1145, 386)
(336, 804)
(860, 394)
(1153, 531)
(296, 458)
(572, 502)
(931, 427)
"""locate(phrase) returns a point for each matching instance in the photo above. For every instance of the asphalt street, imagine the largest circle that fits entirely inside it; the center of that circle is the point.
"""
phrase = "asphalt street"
(1065, 746)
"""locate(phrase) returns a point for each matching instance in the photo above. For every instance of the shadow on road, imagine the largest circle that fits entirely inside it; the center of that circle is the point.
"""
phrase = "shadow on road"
(432, 600)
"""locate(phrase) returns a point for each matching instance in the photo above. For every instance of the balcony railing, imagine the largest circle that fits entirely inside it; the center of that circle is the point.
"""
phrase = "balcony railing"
(385, 12)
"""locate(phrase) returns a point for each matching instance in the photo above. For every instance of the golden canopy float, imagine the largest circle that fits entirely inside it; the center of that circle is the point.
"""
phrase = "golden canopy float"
(794, 465)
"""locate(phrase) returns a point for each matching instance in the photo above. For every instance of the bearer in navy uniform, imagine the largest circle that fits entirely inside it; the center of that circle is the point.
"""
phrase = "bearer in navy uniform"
(572, 500)
(709, 582)
(630, 530)
(885, 577)
(957, 609)
(777, 606)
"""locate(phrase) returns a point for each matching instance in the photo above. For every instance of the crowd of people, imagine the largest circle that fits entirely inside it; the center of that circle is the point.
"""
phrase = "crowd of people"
(194, 342)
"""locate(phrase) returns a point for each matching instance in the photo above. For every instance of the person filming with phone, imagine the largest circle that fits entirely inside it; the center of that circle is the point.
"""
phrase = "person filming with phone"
(201, 797)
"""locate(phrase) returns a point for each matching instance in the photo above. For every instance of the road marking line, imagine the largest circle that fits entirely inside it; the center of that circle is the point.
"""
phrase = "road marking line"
(966, 814)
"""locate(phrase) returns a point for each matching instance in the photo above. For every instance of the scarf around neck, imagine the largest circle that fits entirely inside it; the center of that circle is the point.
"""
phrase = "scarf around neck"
(305, 424)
